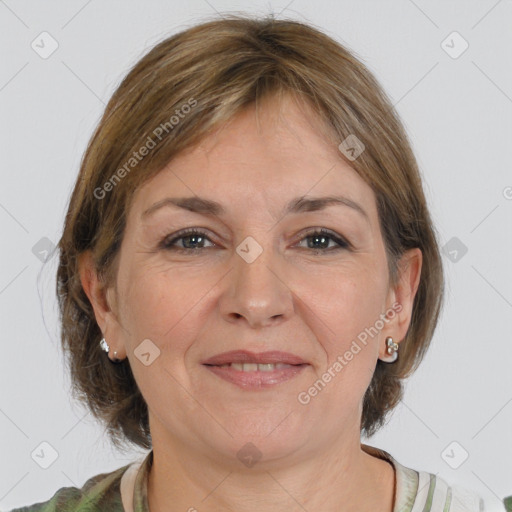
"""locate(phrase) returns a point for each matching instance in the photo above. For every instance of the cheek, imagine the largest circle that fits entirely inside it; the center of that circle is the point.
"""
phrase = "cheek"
(161, 304)
(344, 304)
(157, 307)
(150, 305)
(350, 304)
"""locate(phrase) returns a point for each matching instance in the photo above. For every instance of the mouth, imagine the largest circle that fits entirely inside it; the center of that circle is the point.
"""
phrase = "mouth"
(256, 367)
(243, 357)
(249, 370)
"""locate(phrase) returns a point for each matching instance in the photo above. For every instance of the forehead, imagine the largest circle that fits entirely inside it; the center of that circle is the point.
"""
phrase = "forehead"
(262, 158)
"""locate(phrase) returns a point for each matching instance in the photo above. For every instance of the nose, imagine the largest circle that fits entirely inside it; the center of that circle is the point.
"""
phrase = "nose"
(257, 292)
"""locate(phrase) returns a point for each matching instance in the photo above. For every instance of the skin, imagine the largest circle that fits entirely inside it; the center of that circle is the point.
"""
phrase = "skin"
(292, 298)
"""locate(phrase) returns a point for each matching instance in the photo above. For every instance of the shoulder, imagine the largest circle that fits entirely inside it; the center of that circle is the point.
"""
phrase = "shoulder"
(421, 491)
(434, 494)
(100, 492)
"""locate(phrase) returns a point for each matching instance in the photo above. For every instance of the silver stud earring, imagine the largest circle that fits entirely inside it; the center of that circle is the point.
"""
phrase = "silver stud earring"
(391, 350)
(106, 348)
(104, 345)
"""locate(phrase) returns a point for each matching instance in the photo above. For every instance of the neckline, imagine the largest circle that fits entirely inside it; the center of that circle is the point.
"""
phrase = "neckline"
(136, 478)
(379, 454)
(406, 479)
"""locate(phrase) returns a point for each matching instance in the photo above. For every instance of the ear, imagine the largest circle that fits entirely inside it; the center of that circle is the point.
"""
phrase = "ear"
(401, 296)
(102, 300)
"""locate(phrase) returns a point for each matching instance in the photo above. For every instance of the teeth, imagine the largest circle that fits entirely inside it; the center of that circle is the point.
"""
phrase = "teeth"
(253, 367)
(266, 367)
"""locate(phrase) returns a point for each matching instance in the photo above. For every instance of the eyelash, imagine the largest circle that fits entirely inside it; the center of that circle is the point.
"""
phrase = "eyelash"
(168, 244)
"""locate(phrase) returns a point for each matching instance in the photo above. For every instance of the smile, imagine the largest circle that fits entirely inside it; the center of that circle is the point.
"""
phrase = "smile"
(254, 367)
(252, 376)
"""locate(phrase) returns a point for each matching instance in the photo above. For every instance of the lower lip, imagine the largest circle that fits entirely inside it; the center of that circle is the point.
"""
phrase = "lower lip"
(256, 380)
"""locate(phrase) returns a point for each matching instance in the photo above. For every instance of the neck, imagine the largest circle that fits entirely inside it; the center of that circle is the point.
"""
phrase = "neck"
(342, 477)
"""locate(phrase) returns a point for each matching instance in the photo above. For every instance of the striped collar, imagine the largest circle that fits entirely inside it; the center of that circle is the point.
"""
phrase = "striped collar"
(415, 491)
(420, 491)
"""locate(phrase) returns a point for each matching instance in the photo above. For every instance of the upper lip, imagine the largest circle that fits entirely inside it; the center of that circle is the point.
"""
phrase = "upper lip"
(245, 356)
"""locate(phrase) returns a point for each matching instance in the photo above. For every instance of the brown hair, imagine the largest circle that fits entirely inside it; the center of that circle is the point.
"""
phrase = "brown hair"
(217, 69)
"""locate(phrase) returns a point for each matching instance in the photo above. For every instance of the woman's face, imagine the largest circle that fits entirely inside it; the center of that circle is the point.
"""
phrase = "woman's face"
(254, 278)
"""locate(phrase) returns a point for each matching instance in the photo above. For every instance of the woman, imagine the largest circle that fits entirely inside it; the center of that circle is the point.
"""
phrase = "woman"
(248, 271)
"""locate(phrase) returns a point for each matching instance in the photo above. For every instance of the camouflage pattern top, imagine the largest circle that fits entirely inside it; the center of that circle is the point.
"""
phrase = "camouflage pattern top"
(125, 490)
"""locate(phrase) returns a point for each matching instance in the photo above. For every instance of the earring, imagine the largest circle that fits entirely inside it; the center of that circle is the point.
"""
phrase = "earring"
(104, 345)
(392, 350)
(106, 348)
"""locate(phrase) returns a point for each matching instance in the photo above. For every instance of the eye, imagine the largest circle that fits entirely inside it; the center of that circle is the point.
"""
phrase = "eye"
(321, 238)
(192, 240)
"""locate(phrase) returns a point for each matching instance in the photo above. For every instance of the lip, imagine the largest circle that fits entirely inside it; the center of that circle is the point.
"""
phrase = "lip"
(245, 356)
(255, 380)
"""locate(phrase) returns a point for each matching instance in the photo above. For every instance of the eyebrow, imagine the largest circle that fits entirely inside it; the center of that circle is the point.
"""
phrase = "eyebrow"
(298, 205)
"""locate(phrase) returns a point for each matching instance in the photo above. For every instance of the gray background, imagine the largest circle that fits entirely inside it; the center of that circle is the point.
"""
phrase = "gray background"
(458, 112)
